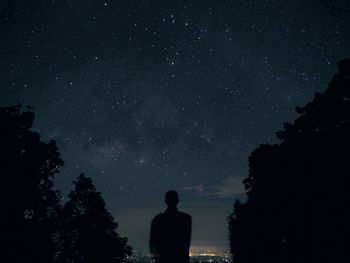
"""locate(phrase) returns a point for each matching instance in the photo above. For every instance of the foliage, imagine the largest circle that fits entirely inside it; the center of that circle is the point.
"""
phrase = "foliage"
(88, 231)
(29, 203)
(35, 228)
(297, 207)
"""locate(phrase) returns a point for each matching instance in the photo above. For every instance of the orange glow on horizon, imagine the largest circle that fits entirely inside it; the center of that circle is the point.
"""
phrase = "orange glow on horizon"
(206, 251)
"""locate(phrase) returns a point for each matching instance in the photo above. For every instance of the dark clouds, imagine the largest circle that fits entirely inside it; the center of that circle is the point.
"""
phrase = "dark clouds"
(144, 96)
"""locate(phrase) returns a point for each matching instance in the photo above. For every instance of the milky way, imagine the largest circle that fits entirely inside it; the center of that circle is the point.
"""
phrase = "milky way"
(146, 96)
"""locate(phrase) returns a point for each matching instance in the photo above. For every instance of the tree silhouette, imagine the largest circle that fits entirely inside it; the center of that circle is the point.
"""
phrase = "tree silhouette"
(298, 198)
(29, 205)
(88, 231)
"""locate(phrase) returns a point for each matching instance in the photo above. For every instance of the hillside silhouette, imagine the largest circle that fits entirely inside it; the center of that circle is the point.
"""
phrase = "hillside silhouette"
(35, 226)
(298, 190)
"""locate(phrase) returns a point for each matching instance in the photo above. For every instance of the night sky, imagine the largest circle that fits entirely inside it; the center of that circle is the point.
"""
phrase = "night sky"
(147, 96)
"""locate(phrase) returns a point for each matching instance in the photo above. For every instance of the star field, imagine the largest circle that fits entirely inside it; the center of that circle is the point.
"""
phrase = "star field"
(144, 96)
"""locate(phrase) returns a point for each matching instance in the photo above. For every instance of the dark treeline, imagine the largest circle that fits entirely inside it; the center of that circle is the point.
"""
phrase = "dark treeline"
(298, 190)
(297, 208)
(35, 226)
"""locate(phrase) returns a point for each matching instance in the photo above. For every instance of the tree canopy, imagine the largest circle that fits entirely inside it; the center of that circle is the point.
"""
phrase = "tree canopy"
(298, 200)
(28, 201)
(35, 227)
(88, 231)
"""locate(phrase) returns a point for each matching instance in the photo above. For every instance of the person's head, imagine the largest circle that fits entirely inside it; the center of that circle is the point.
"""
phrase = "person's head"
(171, 198)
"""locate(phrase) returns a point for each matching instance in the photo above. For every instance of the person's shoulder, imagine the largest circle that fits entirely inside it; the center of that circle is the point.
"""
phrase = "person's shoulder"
(185, 215)
(158, 217)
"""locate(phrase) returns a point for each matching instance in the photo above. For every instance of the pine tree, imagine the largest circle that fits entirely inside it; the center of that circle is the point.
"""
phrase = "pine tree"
(88, 231)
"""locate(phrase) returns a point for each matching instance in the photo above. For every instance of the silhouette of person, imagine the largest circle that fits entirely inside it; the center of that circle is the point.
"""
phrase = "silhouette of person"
(170, 236)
